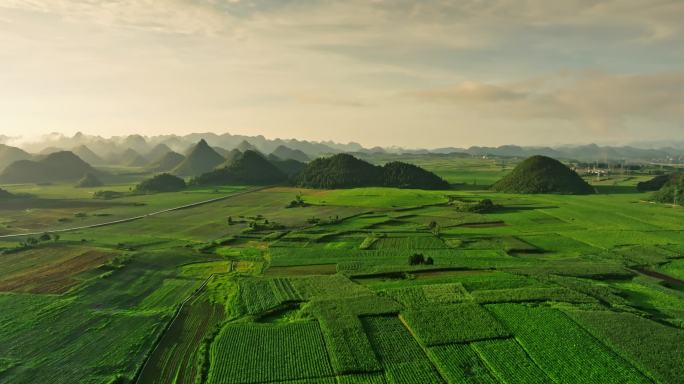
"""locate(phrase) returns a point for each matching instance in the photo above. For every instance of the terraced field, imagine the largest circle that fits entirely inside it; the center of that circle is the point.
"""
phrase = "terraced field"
(545, 289)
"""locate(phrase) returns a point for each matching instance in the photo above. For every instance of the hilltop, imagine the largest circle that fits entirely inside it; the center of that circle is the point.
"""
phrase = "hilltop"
(672, 192)
(541, 174)
(87, 155)
(287, 153)
(201, 158)
(346, 171)
(403, 175)
(249, 167)
(132, 158)
(166, 162)
(158, 152)
(9, 155)
(58, 166)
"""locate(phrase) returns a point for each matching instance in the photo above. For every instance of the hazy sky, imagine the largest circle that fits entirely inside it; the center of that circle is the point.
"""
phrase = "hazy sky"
(414, 74)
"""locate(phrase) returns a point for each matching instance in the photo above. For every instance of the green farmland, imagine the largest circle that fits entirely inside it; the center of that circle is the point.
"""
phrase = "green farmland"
(245, 289)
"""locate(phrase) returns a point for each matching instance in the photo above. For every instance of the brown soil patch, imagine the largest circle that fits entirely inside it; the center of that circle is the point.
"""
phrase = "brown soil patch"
(58, 277)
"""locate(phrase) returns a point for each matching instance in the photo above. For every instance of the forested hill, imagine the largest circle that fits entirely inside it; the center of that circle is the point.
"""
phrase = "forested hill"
(346, 171)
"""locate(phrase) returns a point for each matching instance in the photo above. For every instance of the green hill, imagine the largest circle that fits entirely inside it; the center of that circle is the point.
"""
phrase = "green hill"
(9, 155)
(292, 168)
(166, 162)
(164, 182)
(156, 153)
(671, 192)
(89, 180)
(87, 155)
(655, 183)
(541, 174)
(201, 159)
(58, 166)
(346, 171)
(246, 146)
(339, 171)
(249, 168)
(131, 158)
(231, 155)
(286, 153)
(404, 175)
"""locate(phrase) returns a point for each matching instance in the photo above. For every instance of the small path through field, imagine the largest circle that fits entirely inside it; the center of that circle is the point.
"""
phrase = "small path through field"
(129, 219)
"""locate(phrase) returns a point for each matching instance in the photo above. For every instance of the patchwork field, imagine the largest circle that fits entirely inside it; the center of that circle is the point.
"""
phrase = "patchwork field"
(366, 285)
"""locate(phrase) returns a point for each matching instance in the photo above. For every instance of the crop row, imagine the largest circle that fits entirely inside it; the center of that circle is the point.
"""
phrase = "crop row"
(565, 351)
(256, 353)
(421, 295)
(456, 323)
(508, 361)
(459, 363)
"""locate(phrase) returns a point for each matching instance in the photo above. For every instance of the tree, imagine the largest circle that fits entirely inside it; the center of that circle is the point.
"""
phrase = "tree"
(230, 220)
(416, 259)
(429, 261)
(45, 237)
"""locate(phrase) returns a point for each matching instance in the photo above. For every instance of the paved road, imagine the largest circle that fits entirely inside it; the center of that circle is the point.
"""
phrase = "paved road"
(129, 219)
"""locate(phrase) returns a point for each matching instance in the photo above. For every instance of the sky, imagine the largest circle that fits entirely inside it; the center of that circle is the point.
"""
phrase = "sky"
(427, 74)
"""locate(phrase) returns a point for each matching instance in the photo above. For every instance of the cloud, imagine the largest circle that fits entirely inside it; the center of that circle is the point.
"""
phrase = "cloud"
(598, 100)
(168, 16)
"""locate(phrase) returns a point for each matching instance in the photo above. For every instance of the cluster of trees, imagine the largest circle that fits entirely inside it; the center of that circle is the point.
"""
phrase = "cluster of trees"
(346, 171)
(420, 259)
(249, 168)
(657, 182)
(164, 182)
(672, 192)
(482, 206)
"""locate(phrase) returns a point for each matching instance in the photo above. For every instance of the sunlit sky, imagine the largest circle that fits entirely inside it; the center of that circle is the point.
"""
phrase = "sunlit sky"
(408, 73)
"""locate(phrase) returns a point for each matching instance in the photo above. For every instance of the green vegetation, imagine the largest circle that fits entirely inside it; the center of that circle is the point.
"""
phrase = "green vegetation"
(249, 168)
(259, 353)
(456, 323)
(573, 356)
(346, 171)
(672, 192)
(297, 285)
(655, 183)
(541, 174)
(164, 182)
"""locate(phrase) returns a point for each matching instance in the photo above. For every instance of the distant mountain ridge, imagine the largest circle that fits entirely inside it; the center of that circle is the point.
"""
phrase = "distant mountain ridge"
(103, 147)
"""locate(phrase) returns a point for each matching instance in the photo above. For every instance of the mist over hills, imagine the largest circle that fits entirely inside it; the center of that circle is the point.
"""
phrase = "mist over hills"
(58, 166)
(153, 146)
